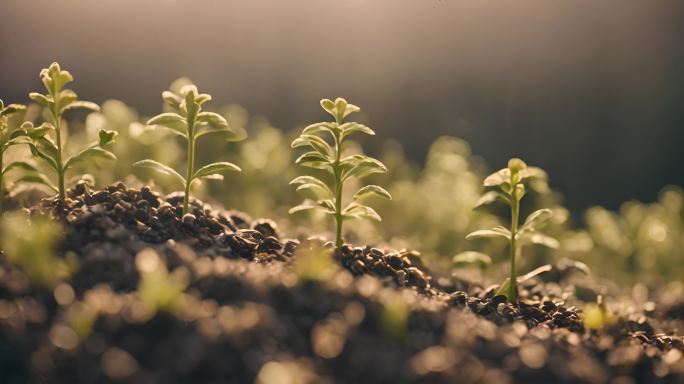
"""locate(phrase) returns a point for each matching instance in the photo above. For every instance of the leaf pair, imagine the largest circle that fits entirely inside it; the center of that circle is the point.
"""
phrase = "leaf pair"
(191, 122)
(324, 156)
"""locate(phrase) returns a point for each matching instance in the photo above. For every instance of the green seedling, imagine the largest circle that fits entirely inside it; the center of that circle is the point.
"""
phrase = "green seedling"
(7, 140)
(507, 185)
(328, 158)
(191, 122)
(57, 101)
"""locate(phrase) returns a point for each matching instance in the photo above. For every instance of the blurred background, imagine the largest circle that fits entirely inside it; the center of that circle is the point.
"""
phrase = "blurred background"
(591, 91)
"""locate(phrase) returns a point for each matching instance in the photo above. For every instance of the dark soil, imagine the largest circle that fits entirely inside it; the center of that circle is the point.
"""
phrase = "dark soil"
(246, 316)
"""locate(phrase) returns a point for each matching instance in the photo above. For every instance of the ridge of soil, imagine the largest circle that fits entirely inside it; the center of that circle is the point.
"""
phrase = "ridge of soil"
(246, 315)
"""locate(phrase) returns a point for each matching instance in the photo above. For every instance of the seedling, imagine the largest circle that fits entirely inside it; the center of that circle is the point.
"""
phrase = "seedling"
(8, 139)
(58, 100)
(507, 185)
(191, 122)
(328, 193)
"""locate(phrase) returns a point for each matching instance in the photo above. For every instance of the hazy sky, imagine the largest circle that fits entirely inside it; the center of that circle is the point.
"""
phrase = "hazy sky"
(593, 91)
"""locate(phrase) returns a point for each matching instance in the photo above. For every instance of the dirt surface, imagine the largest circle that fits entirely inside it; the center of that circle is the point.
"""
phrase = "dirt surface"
(246, 315)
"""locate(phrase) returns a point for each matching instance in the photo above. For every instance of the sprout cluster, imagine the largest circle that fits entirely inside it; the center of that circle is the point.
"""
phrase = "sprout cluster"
(507, 185)
(191, 122)
(8, 139)
(327, 192)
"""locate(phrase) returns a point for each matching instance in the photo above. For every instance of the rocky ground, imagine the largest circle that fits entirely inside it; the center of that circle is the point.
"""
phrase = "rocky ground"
(217, 297)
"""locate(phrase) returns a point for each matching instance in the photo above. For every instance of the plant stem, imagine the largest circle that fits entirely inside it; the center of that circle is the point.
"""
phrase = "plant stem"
(60, 168)
(338, 193)
(515, 208)
(191, 165)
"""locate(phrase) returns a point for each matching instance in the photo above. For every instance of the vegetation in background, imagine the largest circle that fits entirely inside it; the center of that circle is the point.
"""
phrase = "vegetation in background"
(328, 194)
(507, 186)
(29, 242)
(191, 122)
(8, 139)
(58, 100)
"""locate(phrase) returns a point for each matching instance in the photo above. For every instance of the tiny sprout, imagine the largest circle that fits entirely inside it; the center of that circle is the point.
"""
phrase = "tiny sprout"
(323, 156)
(506, 185)
(191, 122)
(29, 243)
(597, 316)
(58, 100)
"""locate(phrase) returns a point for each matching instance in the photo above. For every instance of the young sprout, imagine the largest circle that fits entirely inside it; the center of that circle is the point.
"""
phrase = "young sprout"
(191, 122)
(58, 100)
(326, 157)
(507, 185)
(7, 140)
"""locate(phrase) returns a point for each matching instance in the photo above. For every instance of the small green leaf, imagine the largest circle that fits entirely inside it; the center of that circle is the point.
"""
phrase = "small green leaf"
(172, 99)
(215, 169)
(214, 120)
(310, 205)
(494, 232)
(314, 160)
(19, 164)
(106, 137)
(41, 99)
(349, 128)
(314, 142)
(364, 168)
(497, 178)
(538, 238)
(12, 108)
(82, 104)
(373, 190)
(487, 198)
(65, 98)
(301, 180)
(37, 178)
(537, 219)
(89, 153)
(472, 257)
(222, 134)
(161, 168)
(320, 127)
(172, 121)
(38, 152)
(355, 210)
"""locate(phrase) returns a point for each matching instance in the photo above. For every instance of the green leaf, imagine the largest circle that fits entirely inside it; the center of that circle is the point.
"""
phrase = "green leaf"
(349, 128)
(314, 160)
(41, 99)
(19, 164)
(373, 190)
(537, 219)
(363, 168)
(497, 178)
(89, 153)
(214, 120)
(303, 180)
(215, 169)
(39, 131)
(82, 104)
(355, 210)
(38, 152)
(161, 168)
(173, 121)
(322, 127)
(497, 231)
(65, 98)
(314, 142)
(472, 257)
(534, 237)
(489, 198)
(37, 178)
(172, 99)
(311, 205)
(105, 137)
(12, 108)
(222, 134)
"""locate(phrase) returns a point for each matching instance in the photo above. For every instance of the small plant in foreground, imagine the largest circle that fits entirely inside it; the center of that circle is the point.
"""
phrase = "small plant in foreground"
(58, 100)
(328, 194)
(507, 186)
(191, 122)
(8, 139)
